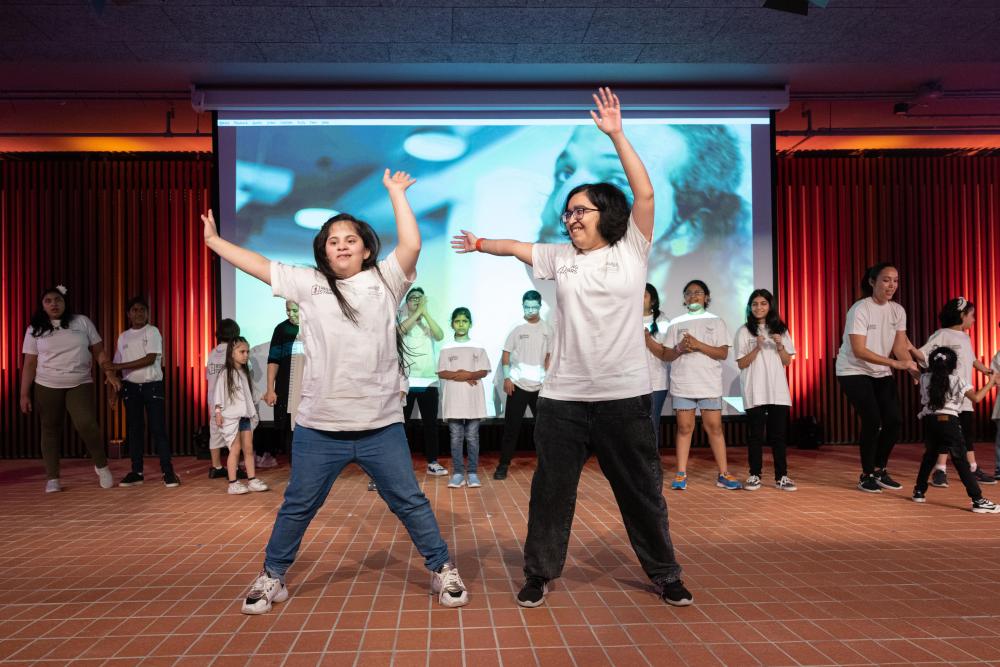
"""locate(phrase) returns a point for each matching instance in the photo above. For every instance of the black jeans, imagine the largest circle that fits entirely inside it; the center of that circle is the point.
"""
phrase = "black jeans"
(877, 404)
(142, 400)
(967, 420)
(513, 415)
(427, 399)
(767, 423)
(943, 434)
(282, 432)
(620, 434)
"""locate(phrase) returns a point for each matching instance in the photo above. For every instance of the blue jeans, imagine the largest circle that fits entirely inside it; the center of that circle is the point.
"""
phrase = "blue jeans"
(657, 399)
(467, 430)
(142, 400)
(319, 456)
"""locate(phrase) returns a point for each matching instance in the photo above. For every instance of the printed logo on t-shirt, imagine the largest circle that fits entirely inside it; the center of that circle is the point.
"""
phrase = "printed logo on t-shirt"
(872, 327)
(319, 289)
(612, 266)
(215, 369)
(524, 336)
(452, 357)
(374, 291)
(563, 270)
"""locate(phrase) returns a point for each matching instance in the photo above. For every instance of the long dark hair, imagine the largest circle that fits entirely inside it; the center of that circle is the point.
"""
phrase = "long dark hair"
(232, 379)
(654, 306)
(613, 208)
(871, 275)
(370, 240)
(952, 312)
(41, 324)
(772, 320)
(941, 364)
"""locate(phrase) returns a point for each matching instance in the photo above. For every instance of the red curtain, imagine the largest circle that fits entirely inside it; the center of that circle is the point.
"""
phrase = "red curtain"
(108, 226)
(937, 218)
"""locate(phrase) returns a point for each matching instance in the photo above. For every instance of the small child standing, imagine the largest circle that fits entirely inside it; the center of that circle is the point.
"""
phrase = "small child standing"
(226, 331)
(236, 416)
(462, 365)
(942, 391)
(995, 367)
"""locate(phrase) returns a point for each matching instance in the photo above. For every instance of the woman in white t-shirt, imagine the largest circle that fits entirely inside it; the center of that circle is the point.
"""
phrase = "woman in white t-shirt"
(875, 327)
(956, 318)
(58, 347)
(656, 324)
(696, 343)
(763, 349)
(943, 390)
(995, 368)
(595, 399)
(350, 411)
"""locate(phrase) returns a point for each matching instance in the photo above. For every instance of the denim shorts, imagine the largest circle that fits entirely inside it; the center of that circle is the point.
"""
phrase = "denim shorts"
(245, 424)
(681, 403)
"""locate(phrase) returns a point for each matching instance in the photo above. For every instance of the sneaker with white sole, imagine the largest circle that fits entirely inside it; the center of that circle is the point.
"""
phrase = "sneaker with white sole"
(984, 477)
(104, 477)
(265, 460)
(882, 479)
(436, 469)
(371, 485)
(785, 484)
(257, 485)
(474, 482)
(752, 483)
(727, 481)
(448, 586)
(939, 478)
(984, 506)
(919, 496)
(868, 484)
(456, 482)
(53, 486)
(533, 593)
(132, 479)
(264, 591)
(237, 488)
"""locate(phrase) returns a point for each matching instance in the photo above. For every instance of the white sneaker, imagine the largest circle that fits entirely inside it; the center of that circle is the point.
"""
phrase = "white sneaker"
(53, 486)
(263, 592)
(257, 485)
(436, 469)
(448, 586)
(752, 483)
(785, 484)
(265, 460)
(237, 488)
(104, 476)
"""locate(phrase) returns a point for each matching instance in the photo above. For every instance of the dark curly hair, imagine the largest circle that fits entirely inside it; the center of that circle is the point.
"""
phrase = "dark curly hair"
(613, 208)
(41, 324)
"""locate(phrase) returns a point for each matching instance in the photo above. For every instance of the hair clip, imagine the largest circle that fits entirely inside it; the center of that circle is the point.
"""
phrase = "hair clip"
(62, 289)
(961, 302)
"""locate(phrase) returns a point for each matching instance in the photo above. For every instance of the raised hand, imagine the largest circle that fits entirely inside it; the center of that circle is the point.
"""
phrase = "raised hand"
(464, 242)
(211, 229)
(397, 182)
(609, 112)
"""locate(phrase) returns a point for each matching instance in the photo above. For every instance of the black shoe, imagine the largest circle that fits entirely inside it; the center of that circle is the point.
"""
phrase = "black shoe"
(216, 473)
(984, 506)
(371, 485)
(501, 472)
(170, 480)
(676, 594)
(939, 478)
(869, 484)
(984, 477)
(919, 496)
(241, 473)
(132, 479)
(533, 592)
(886, 482)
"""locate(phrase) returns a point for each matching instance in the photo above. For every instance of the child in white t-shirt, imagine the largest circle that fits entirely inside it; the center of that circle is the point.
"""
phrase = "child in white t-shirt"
(656, 324)
(215, 364)
(695, 345)
(461, 366)
(763, 349)
(235, 415)
(995, 367)
(942, 392)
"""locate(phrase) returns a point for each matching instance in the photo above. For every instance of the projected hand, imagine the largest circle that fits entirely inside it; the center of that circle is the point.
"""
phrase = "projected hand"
(609, 112)
(398, 182)
(464, 242)
(211, 230)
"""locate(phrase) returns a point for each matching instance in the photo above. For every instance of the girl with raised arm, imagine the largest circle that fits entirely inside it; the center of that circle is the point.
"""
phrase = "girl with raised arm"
(350, 410)
(595, 399)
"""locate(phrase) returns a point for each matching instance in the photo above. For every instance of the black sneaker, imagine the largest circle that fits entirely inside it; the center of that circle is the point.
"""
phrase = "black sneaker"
(170, 480)
(919, 496)
(241, 473)
(984, 506)
(501, 472)
(886, 482)
(868, 484)
(216, 473)
(371, 485)
(676, 594)
(984, 477)
(533, 592)
(939, 478)
(132, 479)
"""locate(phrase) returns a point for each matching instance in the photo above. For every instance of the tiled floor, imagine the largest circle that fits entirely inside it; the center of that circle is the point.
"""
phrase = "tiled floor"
(826, 575)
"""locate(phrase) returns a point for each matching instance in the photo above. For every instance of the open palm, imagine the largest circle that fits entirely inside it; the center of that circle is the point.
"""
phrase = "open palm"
(609, 111)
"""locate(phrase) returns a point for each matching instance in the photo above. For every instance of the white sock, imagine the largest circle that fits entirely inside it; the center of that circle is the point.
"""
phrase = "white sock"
(941, 467)
(973, 466)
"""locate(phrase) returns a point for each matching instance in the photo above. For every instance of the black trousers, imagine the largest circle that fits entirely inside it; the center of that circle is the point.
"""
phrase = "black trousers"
(620, 434)
(768, 423)
(427, 399)
(877, 404)
(512, 417)
(943, 434)
(142, 400)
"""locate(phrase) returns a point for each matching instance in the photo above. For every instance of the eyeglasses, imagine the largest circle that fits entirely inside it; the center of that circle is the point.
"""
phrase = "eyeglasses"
(692, 293)
(576, 214)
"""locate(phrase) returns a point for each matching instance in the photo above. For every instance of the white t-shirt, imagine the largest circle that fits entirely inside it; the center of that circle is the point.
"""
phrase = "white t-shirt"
(879, 324)
(64, 359)
(462, 400)
(134, 344)
(423, 363)
(995, 365)
(694, 374)
(763, 382)
(214, 365)
(658, 369)
(351, 379)
(961, 342)
(528, 344)
(600, 351)
(239, 405)
(953, 398)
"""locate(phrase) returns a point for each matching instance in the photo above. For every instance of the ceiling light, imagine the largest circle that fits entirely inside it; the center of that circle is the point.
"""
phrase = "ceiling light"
(313, 218)
(435, 144)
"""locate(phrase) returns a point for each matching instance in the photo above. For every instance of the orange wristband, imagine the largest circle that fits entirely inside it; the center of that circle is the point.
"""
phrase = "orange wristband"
(479, 245)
